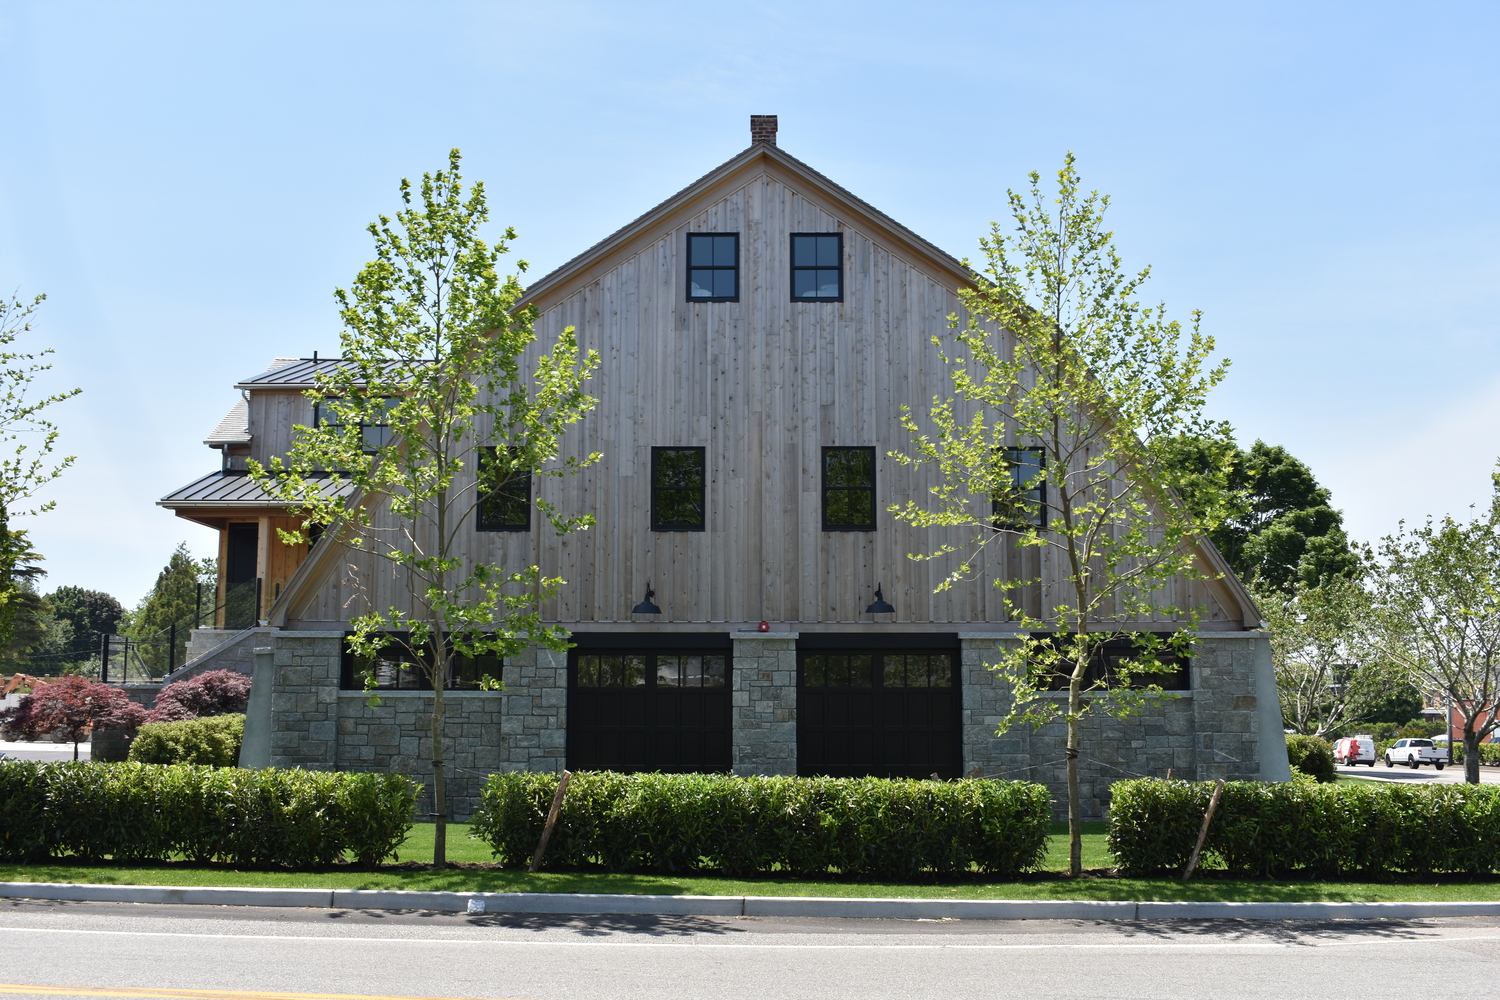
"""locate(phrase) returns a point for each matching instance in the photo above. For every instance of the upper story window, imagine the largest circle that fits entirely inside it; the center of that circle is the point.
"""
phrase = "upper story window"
(713, 267)
(1024, 504)
(848, 489)
(507, 507)
(376, 435)
(677, 489)
(817, 267)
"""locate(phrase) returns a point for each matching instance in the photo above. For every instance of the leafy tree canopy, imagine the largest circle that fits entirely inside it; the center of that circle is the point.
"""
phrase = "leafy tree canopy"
(1283, 532)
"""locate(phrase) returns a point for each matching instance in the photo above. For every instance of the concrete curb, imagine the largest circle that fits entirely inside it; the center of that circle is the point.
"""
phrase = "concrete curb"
(591, 904)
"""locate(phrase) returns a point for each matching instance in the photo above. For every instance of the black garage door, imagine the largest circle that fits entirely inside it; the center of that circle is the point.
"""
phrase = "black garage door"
(887, 713)
(645, 709)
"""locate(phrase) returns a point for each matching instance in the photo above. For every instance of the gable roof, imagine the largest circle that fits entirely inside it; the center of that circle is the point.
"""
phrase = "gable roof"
(759, 157)
(234, 428)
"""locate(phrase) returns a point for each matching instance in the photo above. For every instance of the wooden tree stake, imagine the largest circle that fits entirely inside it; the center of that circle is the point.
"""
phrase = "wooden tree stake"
(1187, 873)
(552, 814)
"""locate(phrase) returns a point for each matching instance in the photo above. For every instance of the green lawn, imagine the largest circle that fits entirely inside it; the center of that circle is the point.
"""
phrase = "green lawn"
(1049, 884)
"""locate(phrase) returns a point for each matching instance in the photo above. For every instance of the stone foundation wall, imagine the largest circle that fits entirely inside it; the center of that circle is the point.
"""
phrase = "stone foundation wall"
(1211, 731)
(763, 702)
(317, 726)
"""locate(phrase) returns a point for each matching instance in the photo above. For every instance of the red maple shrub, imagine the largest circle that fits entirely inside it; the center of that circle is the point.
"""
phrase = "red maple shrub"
(213, 692)
(70, 708)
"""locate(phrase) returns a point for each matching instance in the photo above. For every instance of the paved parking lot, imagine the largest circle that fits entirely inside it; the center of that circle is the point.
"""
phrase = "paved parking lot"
(1450, 775)
(43, 751)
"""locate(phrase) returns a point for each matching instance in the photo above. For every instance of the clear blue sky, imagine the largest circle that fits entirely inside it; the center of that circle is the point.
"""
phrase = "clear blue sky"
(188, 182)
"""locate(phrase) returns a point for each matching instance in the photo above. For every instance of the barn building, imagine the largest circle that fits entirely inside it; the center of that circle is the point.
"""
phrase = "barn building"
(746, 602)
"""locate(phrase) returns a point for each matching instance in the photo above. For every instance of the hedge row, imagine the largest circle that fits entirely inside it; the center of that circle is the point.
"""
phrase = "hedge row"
(290, 818)
(1489, 753)
(214, 740)
(1269, 829)
(742, 826)
(1312, 755)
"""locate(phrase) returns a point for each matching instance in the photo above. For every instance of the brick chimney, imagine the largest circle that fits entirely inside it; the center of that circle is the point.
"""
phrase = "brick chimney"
(763, 129)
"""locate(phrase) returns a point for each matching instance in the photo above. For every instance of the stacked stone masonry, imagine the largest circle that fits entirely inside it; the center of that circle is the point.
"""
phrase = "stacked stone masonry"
(1211, 731)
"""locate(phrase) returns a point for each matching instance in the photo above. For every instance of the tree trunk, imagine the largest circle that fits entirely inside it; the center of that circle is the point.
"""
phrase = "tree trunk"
(439, 785)
(1471, 756)
(1075, 824)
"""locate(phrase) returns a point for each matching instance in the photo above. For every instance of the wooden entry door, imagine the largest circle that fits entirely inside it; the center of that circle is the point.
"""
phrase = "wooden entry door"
(878, 713)
(648, 710)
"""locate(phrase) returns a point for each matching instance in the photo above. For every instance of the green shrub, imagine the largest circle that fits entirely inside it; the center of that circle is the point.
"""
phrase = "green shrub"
(864, 827)
(1312, 755)
(1268, 828)
(214, 740)
(1489, 753)
(295, 818)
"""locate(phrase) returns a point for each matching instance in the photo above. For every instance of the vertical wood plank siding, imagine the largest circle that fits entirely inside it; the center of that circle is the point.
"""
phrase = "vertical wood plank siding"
(763, 384)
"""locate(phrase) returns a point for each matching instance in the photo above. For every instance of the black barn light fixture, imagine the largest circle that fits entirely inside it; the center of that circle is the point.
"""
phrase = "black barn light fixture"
(879, 607)
(647, 607)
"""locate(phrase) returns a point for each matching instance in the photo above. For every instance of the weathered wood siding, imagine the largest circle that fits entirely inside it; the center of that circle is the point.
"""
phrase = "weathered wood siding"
(763, 384)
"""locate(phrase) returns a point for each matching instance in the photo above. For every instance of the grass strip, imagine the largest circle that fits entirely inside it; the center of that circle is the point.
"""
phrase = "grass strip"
(1049, 884)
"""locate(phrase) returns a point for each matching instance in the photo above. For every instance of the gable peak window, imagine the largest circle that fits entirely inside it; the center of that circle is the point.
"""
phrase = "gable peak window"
(1022, 502)
(677, 482)
(848, 489)
(507, 504)
(713, 267)
(817, 267)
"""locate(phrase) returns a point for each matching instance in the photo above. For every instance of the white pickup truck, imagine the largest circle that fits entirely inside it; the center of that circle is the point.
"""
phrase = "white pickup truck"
(1415, 753)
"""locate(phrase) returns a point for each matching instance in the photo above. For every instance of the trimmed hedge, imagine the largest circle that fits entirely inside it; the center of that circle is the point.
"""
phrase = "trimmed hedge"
(1312, 755)
(1275, 828)
(863, 827)
(1489, 753)
(214, 740)
(295, 819)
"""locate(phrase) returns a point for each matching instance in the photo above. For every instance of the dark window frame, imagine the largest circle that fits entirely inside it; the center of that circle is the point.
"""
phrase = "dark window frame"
(364, 426)
(481, 522)
(701, 488)
(1100, 667)
(825, 489)
(1005, 519)
(690, 268)
(795, 267)
(351, 680)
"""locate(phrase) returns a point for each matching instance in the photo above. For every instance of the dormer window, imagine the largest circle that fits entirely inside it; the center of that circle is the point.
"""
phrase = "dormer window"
(817, 267)
(374, 436)
(713, 267)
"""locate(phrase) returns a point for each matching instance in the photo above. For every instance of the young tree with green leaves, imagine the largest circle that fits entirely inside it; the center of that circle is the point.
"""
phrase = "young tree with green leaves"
(1325, 656)
(428, 414)
(1437, 598)
(1065, 388)
(27, 440)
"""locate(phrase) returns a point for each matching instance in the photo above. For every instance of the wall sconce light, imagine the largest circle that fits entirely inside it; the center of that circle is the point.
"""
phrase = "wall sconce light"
(646, 607)
(879, 607)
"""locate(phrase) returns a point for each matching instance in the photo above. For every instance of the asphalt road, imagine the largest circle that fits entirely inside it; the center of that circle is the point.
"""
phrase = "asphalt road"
(1453, 774)
(134, 950)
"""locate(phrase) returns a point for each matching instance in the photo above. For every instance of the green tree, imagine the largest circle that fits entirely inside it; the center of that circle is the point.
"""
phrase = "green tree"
(1280, 531)
(1095, 383)
(169, 611)
(90, 616)
(27, 440)
(432, 365)
(1329, 670)
(1437, 589)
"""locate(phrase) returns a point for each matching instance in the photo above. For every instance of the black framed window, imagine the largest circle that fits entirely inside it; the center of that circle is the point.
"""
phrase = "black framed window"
(848, 489)
(507, 507)
(713, 267)
(394, 668)
(1024, 504)
(1106, 660)
(817, 267)
(374, 434)
(677, 479)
